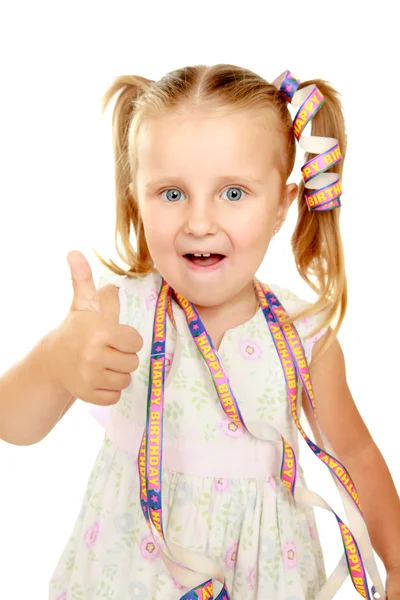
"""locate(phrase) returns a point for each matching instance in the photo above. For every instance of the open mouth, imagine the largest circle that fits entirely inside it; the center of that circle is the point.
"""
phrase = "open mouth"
(204, 260)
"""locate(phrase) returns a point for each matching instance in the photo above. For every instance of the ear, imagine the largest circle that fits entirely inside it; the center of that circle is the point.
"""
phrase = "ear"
(289, 193)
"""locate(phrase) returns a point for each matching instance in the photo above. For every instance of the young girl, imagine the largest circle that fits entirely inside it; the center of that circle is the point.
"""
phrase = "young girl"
(197, 491)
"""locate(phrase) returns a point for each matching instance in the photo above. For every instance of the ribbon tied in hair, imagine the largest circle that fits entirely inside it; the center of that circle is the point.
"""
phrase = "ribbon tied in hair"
(326, 187)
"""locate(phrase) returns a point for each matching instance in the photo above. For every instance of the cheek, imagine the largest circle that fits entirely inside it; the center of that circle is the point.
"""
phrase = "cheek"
(152, 220)
(158, 229)
(252, 230)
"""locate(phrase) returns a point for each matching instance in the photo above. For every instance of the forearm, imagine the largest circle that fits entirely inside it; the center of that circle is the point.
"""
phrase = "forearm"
(31, 403)
(379, 502)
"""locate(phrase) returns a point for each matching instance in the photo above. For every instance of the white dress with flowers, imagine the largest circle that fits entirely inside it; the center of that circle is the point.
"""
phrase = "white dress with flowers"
(220, 497)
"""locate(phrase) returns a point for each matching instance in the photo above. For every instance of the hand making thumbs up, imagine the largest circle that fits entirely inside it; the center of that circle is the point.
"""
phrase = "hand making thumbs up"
(93, 355)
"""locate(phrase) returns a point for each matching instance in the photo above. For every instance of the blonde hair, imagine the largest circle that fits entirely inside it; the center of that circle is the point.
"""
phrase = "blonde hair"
(316, 241)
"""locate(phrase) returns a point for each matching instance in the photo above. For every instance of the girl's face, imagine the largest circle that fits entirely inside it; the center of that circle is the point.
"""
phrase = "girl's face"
(208, 184)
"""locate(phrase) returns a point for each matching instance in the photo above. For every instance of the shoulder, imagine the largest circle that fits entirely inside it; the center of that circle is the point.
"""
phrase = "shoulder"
(285, 295)
(312, 329)
(124, 297)
(131, 283)
(292, 303)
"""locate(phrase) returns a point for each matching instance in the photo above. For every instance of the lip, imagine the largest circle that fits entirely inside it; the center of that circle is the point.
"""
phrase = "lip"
(201, 269)
(203, 252)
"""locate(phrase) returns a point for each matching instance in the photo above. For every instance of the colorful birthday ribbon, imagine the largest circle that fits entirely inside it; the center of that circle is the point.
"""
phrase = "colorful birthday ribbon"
(181, 563)
(289, 346)
(291, 353)
(327, 187)
(292, 356)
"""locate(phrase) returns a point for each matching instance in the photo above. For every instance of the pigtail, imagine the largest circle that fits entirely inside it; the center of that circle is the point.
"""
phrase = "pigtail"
(131, 87)
(316, 242)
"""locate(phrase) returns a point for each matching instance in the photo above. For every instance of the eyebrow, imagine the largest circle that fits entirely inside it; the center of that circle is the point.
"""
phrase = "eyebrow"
(223, 178)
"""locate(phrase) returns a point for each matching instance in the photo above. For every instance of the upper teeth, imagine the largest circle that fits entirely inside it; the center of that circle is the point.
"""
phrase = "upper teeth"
(201, 254)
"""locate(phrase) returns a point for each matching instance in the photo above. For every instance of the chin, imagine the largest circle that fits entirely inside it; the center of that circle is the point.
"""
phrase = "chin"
(204, 295)
(204, 299)
(200, 294)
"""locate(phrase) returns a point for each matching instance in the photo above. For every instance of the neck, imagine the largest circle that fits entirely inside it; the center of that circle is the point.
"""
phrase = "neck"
(239, 309)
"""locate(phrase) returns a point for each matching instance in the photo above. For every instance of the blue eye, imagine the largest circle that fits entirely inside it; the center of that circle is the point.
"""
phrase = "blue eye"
(235, 198)
(173, 198)
(175, 191)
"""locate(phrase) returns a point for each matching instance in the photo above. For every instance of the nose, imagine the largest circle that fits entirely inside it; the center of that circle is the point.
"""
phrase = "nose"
(201, 217)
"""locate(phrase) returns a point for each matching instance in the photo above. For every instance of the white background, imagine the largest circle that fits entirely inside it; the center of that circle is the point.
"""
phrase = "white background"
(57, 194)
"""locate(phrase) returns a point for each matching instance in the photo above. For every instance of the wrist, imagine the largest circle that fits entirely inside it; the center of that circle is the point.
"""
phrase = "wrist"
(49, 366)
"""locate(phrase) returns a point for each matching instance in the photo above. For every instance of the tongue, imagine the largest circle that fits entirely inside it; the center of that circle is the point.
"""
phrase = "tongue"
(207, 261)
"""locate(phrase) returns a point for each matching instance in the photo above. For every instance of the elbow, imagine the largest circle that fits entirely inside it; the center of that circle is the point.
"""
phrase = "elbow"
(20, 437)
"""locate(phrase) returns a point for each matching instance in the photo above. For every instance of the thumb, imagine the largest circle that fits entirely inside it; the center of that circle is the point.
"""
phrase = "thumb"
(85, 293)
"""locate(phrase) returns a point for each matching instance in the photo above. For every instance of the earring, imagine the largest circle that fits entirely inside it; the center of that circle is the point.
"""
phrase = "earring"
(274, 232)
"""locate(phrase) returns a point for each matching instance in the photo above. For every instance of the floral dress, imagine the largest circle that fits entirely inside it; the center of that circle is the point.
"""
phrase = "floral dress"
(222, 494)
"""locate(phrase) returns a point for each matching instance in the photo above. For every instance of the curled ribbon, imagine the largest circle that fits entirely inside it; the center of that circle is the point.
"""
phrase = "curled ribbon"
(327, 187)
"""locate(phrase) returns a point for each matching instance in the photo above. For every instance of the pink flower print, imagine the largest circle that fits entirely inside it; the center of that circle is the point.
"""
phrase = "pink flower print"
(148, 548)
(231, 556)
(272, 482)
(62, 596)
(91, 534)
(250, 350)
(151, 299)
(221, 484)
(290, 555)
(252, 577)
(168, 362)
(231, 428)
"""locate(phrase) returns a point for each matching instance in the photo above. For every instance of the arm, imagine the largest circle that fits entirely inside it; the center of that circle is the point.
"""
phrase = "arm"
(31, 401)
(348, 435)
